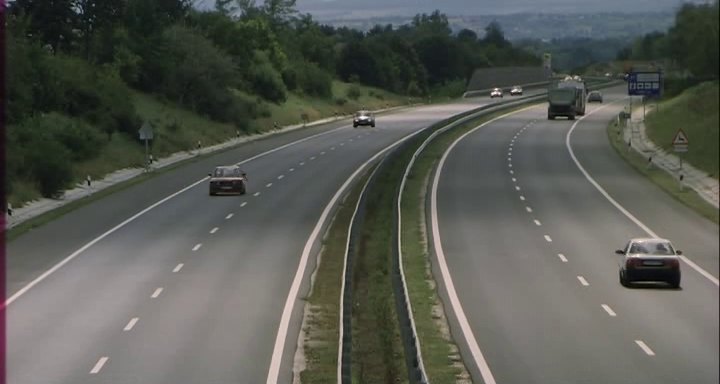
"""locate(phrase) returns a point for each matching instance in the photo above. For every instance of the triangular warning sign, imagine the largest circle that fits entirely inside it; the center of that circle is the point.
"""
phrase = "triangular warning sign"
(680, 138)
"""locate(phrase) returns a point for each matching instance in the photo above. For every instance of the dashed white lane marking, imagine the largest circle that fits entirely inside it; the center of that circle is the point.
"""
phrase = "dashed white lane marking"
(98, 366)
(548, 239)
(196, 247)
(178, 268)
(609, 310)
(229, 216)
(509, 165)
(244, 203)
(528, 209)
(281, 177)
(622, 209)
(583, 281)
(509, 158)
(131, 324)
(268, 185)
(157, 293)
(332, 148)
(256, 194)
(302, 163)
(562, 258)
(512, 172)
(517, 188)
(212, 231)
(322, 153)
(537, 222)
(645, 348)
(313, 158)
(292, 169)
(514, 180)
(522, 198)
(350, 139)
(341, 144)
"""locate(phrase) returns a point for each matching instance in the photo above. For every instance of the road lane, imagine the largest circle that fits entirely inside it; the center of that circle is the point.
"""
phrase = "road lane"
(215, 319)
(541, 311)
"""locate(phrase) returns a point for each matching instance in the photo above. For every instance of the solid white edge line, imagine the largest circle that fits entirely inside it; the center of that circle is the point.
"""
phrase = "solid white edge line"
(617, 205)
(342, 280)
(178, 268)
(457, 307)
(645, 347)
(131, 324)
(279, 346)
(562, 258)
(157, 293)
(98, 366)
(609, 310)
(93, 242)
(583, 281)
(144, 211)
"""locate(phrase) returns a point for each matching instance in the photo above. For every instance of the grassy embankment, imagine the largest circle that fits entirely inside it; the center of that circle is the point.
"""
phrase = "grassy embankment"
(178, 129)
(696, 112)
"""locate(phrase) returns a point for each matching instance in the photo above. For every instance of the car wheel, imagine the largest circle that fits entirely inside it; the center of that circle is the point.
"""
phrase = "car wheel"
(551, 117)
(354, 125)
(372, 125)
(571, 117)
(212, 193)
(675, 282)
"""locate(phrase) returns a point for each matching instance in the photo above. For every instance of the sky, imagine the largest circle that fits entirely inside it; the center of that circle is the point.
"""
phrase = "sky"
(347, 9)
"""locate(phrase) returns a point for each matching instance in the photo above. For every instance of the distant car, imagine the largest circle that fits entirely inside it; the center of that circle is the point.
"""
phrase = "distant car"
(595, 96)
(496, 92)
(516, 91)
(228, 179)
(363, 118)
(649, 259)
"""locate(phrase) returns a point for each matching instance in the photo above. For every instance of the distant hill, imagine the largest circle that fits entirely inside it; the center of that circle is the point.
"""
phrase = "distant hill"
(325, 10)
(541, 26)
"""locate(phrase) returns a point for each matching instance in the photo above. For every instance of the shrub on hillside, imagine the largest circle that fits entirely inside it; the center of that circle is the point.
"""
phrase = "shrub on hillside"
(266, 81)
(314, 81)
(50, 167)
(353, 92)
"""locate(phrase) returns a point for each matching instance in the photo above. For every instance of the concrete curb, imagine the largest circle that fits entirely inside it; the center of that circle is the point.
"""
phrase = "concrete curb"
(687, 176)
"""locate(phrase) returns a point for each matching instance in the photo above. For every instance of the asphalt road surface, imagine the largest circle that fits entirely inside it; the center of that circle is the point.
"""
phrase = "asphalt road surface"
(191, 290)
(529, 245)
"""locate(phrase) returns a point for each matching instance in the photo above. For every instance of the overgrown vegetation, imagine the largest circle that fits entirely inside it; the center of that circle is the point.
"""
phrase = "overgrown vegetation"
(86, 63)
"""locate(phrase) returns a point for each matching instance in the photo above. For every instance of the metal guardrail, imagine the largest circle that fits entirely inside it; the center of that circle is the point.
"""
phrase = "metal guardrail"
(485, 92)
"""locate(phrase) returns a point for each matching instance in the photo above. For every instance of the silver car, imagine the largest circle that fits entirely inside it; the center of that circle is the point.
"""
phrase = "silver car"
(363, 118)
(496, 92)
(649, 259)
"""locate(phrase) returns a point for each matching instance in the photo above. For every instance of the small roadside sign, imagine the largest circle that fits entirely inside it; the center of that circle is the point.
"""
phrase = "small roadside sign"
(146, 132)
(680, 141)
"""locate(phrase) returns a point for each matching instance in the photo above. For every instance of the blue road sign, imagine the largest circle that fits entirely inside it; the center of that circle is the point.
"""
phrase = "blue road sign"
(645, 84)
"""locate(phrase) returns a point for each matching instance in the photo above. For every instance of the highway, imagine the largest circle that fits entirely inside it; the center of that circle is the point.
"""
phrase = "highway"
(161, 283)
(528, 242)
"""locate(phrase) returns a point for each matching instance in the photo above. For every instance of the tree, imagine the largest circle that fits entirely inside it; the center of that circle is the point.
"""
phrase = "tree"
(51, 21)
(96, 14)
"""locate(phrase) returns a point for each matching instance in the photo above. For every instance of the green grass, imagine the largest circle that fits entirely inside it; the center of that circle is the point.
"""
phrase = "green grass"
(696, 112)
(663, 179)
(321, 324)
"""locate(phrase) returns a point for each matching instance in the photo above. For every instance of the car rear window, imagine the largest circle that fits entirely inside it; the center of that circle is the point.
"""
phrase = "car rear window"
(654, 247)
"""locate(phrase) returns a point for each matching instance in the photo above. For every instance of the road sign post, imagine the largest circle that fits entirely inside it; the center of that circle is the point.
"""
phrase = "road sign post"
(680, 145)
(146, 134)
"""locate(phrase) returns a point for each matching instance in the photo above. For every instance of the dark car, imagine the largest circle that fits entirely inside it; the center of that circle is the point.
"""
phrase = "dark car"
(595, 96)
(363, 118)
(649, 260)
(228, 179)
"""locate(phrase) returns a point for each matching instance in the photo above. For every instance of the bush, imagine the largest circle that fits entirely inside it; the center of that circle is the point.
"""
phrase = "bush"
(353, 92)
(340, 101)
(314, 81)
(50, 166)
(266, 81)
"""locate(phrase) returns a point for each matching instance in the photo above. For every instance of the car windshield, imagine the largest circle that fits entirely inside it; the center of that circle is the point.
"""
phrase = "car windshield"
(362, 114)
(654, 247)
(226, 172)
